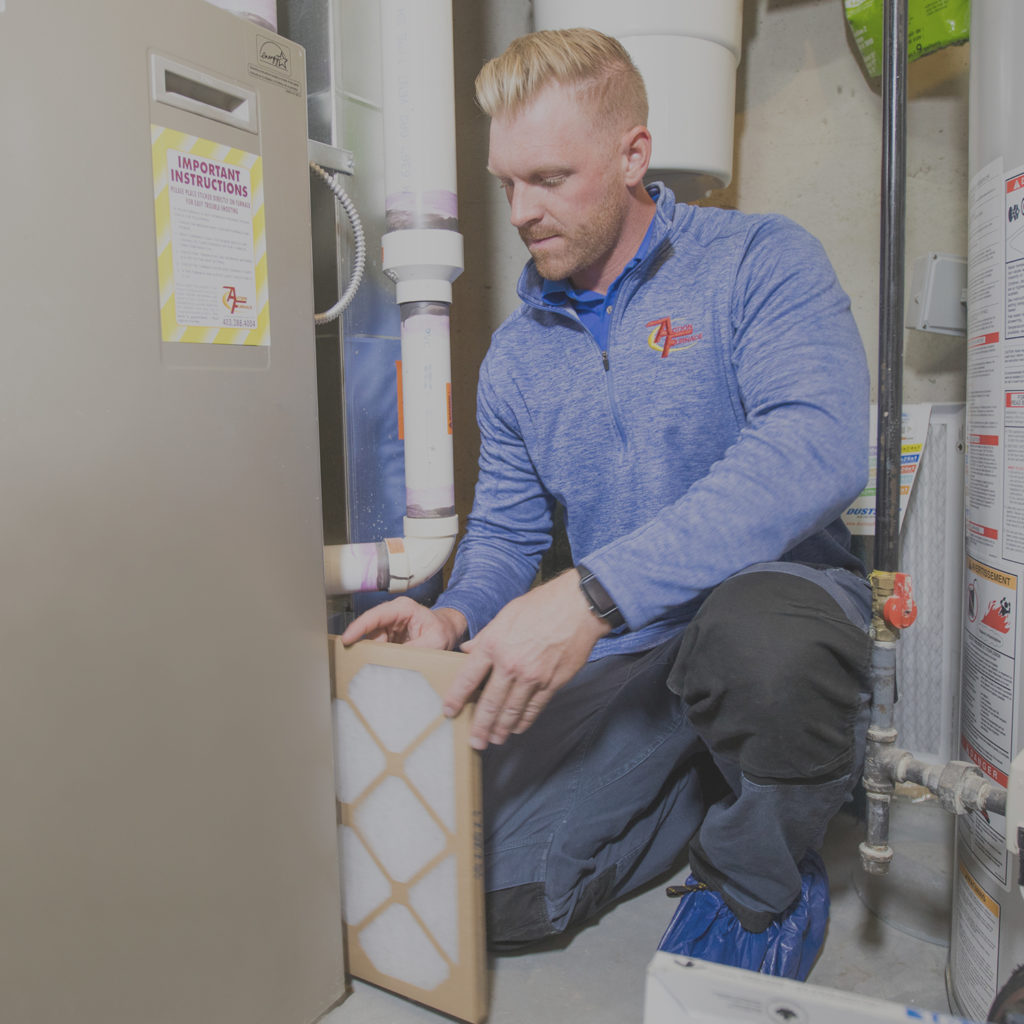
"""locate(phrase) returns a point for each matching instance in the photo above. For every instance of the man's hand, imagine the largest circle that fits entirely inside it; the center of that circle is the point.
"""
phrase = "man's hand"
(531, 648)
(405, 621)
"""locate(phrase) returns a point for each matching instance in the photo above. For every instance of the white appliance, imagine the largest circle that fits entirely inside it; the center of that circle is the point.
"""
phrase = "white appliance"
(681, 989)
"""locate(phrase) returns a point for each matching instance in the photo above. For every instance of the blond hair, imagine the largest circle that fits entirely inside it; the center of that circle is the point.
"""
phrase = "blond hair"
(596, 64)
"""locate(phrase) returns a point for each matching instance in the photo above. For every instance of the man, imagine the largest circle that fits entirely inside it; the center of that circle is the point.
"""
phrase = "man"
(688, 384)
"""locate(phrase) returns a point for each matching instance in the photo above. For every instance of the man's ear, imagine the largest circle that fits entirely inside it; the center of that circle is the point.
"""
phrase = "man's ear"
(636, 149)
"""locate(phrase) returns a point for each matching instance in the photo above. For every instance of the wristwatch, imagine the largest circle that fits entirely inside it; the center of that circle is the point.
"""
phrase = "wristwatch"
(600, 601)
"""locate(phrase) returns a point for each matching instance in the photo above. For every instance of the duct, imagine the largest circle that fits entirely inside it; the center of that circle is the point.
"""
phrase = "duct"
(675, 44)
(422, 254)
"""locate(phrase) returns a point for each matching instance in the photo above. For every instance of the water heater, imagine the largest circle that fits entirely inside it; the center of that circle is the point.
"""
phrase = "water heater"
(988, 909)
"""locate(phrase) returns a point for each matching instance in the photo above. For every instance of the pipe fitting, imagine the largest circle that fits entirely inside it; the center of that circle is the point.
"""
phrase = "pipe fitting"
(395, 564)
(876, 854)
(883, 586)
(418, 559)
(875, 860)
(422, 262)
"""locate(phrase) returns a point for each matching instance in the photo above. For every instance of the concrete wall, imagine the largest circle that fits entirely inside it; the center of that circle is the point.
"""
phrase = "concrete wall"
(808, 144)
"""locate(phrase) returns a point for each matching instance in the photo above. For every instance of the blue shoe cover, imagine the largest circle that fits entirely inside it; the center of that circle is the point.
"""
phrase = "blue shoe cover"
(705, 928)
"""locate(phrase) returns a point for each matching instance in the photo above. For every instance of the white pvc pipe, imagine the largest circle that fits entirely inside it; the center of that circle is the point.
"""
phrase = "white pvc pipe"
(687, 52)
(419, 110)
(422, 250)
(422, 254)
(426, 411)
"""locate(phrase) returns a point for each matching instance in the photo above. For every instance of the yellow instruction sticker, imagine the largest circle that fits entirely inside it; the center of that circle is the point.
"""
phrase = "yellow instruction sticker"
(211, 241)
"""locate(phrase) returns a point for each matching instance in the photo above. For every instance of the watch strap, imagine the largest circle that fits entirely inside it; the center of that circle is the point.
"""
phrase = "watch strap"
(600, 601)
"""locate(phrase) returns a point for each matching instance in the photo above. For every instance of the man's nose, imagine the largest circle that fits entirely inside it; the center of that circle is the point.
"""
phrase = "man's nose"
(523, 206)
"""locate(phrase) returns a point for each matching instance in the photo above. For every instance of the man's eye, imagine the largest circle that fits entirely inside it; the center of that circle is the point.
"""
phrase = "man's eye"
(558, 179)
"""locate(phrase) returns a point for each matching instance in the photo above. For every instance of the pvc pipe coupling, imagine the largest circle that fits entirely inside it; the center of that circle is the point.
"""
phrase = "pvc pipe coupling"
(422, 262)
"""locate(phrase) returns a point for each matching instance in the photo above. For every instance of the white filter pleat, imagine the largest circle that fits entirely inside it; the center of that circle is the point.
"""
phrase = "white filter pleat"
(431, 769)
(398, 946)
(359, 759)
(364, 885)
(399, 829)
(435, 899)
(377, 691)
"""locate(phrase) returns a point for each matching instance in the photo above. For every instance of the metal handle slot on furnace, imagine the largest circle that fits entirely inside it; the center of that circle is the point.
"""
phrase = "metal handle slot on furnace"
(179, 85)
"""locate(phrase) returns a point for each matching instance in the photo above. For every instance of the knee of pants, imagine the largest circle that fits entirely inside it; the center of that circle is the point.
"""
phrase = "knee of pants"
(774, 674)
(520, 916)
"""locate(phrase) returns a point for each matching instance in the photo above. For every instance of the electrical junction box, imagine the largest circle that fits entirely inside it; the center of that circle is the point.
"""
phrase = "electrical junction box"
(937, 298)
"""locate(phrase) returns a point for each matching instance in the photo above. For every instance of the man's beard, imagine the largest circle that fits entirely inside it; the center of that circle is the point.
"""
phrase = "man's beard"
(592, 243)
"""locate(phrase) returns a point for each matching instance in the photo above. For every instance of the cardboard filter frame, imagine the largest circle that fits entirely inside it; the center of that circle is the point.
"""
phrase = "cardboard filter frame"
(410, 827)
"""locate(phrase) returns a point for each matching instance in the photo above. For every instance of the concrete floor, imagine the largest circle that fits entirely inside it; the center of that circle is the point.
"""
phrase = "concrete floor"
(887, 938)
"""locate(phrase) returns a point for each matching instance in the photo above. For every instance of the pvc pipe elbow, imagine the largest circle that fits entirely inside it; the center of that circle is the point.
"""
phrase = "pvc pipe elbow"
(396, 564)
(421, 558)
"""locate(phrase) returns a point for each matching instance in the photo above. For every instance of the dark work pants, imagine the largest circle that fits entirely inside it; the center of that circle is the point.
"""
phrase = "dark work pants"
(741, 736)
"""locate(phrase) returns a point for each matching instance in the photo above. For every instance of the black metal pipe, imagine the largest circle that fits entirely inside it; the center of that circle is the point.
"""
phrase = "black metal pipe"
(890, 299)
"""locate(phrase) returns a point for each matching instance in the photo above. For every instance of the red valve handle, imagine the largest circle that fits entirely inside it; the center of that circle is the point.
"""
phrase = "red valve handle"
(900, 610)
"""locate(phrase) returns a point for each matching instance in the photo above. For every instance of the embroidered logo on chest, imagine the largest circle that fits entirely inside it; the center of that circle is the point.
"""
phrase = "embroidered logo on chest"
(665, 338)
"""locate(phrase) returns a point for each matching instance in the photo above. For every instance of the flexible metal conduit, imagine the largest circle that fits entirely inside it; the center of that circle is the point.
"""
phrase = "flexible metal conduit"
(359, 256)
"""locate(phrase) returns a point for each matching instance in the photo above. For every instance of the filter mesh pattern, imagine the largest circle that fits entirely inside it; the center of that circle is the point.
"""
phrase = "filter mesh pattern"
(398, 829)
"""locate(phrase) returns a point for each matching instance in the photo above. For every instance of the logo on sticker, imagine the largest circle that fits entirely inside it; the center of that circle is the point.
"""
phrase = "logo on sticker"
(232, 300)
(274, 55)
(665, 338)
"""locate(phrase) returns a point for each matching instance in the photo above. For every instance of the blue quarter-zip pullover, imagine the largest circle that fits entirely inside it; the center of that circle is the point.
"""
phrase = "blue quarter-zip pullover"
(727, 426)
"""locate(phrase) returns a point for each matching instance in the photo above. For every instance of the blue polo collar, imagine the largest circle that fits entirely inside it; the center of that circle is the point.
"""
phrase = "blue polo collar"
(562, 292)
(594, 309)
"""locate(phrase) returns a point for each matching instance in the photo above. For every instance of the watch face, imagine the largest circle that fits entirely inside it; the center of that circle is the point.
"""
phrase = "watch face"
(600, 601)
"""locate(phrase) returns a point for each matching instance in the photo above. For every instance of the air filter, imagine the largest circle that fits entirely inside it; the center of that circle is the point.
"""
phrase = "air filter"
(409, 827)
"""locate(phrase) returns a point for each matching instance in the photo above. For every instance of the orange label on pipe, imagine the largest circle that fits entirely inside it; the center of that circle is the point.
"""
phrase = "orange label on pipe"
(398, 386)
(448, 393)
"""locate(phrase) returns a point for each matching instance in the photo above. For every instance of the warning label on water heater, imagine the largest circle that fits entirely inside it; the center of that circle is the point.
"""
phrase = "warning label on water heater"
(210, 241)
(976, 952)
(989, 700)
(989, 661)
